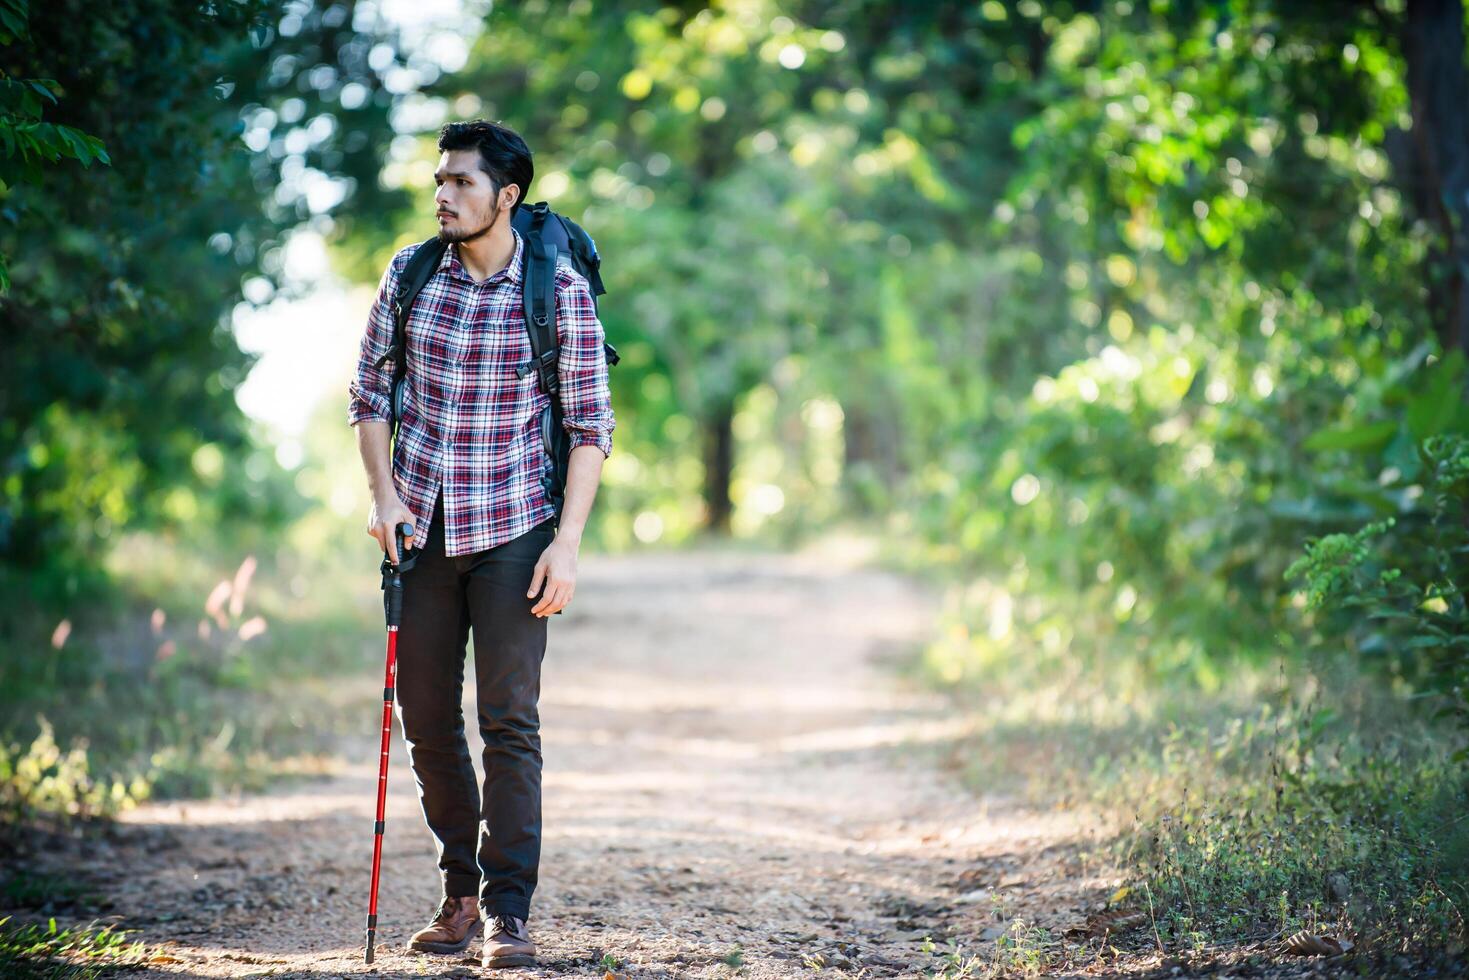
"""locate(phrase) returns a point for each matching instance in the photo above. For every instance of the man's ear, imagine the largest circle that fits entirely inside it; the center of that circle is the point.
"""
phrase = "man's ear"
(507, 200)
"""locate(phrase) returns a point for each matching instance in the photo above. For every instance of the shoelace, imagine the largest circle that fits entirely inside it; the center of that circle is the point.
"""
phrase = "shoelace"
(499, 921)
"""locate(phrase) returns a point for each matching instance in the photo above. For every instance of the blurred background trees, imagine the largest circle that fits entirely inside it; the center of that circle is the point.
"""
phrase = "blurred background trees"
(225, 127)
(1123, 300)
(1109, 307)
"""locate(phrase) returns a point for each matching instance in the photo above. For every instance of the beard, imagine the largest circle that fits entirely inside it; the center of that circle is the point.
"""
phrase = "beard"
(449, 237)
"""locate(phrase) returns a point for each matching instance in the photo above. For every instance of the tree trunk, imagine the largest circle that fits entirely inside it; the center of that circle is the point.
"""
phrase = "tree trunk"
(1438, 86)
(867, 470)
(718, 466)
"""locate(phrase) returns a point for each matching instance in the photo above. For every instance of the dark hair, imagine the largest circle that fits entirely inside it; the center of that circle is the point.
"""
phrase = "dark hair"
(502, 153)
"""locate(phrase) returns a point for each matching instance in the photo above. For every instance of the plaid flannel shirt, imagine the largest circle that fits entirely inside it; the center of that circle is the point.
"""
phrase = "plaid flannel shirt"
(469, 425)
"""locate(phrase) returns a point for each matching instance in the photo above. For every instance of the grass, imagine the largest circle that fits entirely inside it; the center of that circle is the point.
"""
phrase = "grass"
(213, 670)
(34, 952)
(1274, 800)
(23, 888)
(1327, 833)
(1022, 950)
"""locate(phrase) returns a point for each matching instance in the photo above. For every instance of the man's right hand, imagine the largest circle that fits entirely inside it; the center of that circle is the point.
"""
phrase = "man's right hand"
(383, 519)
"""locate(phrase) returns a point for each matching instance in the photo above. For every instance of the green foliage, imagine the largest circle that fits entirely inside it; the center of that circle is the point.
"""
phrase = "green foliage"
(1151, 490)
(227, 127)
(53, 953)
(1327, 832)
(26, 140)
(774, 161)
(43, 781)
(1021, 950)
(23, 888)
(1396, 586)
(1332, 564)
(217, 672)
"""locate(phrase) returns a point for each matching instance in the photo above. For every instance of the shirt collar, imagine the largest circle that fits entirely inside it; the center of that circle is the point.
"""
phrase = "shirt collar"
(450, 263)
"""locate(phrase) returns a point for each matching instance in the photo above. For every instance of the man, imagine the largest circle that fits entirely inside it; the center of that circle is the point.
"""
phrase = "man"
(468, 466)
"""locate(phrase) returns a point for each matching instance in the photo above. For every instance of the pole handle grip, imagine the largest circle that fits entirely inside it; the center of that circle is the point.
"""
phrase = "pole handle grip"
(393, 575)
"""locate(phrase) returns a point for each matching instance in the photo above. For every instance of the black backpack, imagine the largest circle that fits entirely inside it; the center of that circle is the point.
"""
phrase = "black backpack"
(549, 238)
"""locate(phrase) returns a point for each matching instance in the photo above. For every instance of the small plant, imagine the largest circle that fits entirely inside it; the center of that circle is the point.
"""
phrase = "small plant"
(958, 966)
(1408, 575)
(53, 953)
(42, 780)
(1022, 950)
(999, 907)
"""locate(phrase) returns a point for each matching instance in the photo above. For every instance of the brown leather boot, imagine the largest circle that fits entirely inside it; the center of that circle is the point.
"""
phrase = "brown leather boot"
(455, 924)
(506, 942)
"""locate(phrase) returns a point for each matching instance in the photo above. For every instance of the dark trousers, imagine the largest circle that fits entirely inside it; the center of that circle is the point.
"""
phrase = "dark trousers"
(489, 844)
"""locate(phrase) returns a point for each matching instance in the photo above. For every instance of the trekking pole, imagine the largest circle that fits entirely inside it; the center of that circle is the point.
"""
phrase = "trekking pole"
(393, 610)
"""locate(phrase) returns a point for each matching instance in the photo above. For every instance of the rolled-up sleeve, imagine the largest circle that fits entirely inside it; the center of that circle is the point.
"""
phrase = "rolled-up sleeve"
(369, 393)
(586, 399)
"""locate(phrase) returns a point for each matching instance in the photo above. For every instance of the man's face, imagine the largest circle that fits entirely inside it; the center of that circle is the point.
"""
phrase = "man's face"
(468, 203)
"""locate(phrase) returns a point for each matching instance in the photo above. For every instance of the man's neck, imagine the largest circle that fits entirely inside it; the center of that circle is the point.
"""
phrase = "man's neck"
(489, 253)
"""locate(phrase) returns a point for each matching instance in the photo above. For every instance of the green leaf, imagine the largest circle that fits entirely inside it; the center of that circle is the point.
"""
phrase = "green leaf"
(1440, 404)
(68, 140)
(1321, 719)
(1369, 438)
(81, 146)
(45, 87)
(30, 107)
(1403, 454)
(13, 21)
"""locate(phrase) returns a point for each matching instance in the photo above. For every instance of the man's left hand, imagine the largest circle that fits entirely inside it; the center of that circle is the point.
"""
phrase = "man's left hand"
(557, 570)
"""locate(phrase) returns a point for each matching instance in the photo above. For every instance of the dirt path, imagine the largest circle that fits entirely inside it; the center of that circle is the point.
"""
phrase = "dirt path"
(731, 773)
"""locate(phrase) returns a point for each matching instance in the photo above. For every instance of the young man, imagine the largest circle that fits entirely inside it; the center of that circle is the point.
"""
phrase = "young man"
(468, 467)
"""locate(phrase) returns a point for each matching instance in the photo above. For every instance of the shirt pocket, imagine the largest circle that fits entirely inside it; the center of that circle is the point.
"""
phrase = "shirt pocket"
(511, 360)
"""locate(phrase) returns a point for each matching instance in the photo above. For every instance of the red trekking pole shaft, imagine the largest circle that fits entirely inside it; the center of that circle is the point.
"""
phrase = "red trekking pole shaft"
(393, 609)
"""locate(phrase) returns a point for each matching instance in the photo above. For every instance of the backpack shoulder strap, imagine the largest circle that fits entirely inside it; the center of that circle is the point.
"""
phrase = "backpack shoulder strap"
(538, 282)
(420, 269)
(538, 300)
(416, 273)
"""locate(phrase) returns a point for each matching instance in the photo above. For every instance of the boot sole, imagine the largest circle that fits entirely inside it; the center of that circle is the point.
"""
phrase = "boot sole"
(459, 947)
(515, 959)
